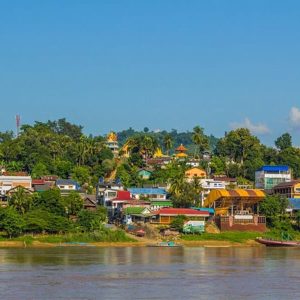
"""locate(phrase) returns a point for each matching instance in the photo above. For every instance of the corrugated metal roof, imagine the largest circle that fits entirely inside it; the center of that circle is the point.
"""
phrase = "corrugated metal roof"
(274, 168)
(227, 196)
(147, 191)
(294, 203)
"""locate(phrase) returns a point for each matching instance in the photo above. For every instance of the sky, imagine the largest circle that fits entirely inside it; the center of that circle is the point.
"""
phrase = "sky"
(109, 65)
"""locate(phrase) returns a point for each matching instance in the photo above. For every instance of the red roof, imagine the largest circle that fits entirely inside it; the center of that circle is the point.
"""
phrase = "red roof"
(38, 181)
(169, 211)
(123, 195)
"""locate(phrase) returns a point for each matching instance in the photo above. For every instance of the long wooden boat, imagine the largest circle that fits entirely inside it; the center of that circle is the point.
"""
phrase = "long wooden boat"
(277, 243)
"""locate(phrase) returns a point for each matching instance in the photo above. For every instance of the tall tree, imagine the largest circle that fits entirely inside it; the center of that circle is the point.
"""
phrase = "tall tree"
(200, 140)
(284, 141)
(168, 142)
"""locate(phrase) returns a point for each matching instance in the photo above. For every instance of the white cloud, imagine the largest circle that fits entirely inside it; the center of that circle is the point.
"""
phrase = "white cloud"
(294, 117)
(259, 128)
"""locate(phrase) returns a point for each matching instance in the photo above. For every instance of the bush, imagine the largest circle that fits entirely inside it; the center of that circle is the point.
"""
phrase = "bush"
(178, 222)
(92, 220)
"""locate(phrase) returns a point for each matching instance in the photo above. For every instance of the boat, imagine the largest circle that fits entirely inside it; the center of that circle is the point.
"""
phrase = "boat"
(277, 243)
(170, 244)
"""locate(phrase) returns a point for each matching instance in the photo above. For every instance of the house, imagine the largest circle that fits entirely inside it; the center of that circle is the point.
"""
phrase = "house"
(136, 214)
(67, 185)
(194, 163)
(8, 182)
(148, 193)
(209, 185)
(289, 189)
(40, 185)
(144, 174)
(103, 186)
(50, 179)
(269, 176)
(193, 173)
(158, 204)
(165, 216)
(228, 181)
(89, 202)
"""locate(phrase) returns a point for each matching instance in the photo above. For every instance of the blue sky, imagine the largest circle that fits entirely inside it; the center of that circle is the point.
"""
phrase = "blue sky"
(164, 64)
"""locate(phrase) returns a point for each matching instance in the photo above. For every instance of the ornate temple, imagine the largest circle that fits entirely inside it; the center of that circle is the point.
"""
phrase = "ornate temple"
(181, 152)
(112, 143)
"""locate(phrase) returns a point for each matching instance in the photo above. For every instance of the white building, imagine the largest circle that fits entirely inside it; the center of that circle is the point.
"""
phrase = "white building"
(210, 184)
(8, 182)
(269, 176)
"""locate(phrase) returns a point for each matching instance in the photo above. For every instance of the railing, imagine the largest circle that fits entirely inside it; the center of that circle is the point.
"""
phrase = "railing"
(250, 219)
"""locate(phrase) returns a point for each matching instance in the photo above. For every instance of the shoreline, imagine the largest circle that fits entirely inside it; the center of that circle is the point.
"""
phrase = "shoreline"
(203, 243)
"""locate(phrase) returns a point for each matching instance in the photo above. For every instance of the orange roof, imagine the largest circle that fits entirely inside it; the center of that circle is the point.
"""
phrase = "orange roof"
(181, 148)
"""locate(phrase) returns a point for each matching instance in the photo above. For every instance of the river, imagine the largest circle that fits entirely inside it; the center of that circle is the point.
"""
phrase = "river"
(150, 273)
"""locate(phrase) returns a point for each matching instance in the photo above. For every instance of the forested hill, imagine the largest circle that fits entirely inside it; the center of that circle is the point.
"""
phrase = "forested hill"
(185, 138)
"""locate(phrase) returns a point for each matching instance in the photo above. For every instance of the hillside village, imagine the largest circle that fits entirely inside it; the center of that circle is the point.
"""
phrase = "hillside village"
(51, 171)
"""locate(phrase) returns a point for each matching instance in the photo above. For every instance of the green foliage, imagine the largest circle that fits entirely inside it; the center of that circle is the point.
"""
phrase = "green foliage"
(39, 170)
(178, 222)
(274, 208)
(51, 201)
(92, 220)
(284, 141)
(21, 200)
(73, 203)
(81, 174)
(11, 221)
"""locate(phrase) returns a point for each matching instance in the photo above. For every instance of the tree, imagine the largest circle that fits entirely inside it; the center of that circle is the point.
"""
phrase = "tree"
(81, 174)
(39, 170)
(168, 143)
(21, 200)
(284, 141)
(73, 203)
(200, 140)
(274, 208)
(11, 222)
(51, 201)
(178, 222)
(92, 220)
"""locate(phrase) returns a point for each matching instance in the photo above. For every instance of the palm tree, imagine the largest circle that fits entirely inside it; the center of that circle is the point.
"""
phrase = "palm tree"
(168, 142)
(199, 139)
(21, 200)
(177, 185)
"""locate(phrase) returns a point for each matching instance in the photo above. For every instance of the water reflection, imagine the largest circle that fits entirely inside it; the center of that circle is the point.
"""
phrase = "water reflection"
(149, 273)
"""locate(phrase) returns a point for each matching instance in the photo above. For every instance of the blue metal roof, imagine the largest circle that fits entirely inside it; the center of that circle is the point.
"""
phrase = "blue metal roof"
(274, 168)
(67, 182)
(147, 191)
(210, 210)
(294, 203)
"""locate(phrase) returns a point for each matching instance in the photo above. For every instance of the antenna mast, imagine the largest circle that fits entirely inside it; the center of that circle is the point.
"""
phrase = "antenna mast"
(18, 123)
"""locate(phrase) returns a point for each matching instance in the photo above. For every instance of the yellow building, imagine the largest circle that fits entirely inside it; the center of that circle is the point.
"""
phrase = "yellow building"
(195, 173)
(288, 189)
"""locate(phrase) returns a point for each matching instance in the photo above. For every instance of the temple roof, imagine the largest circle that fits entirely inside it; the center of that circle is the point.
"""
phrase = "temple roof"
(181, 148)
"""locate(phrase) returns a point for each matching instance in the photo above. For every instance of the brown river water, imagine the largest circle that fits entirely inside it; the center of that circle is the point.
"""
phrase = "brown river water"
(150, 273)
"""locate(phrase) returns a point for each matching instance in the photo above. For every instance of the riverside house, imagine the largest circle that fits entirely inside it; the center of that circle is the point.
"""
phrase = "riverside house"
(165, 216)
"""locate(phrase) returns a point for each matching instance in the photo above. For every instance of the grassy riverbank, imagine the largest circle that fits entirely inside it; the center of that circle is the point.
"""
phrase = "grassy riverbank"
(234, 237)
